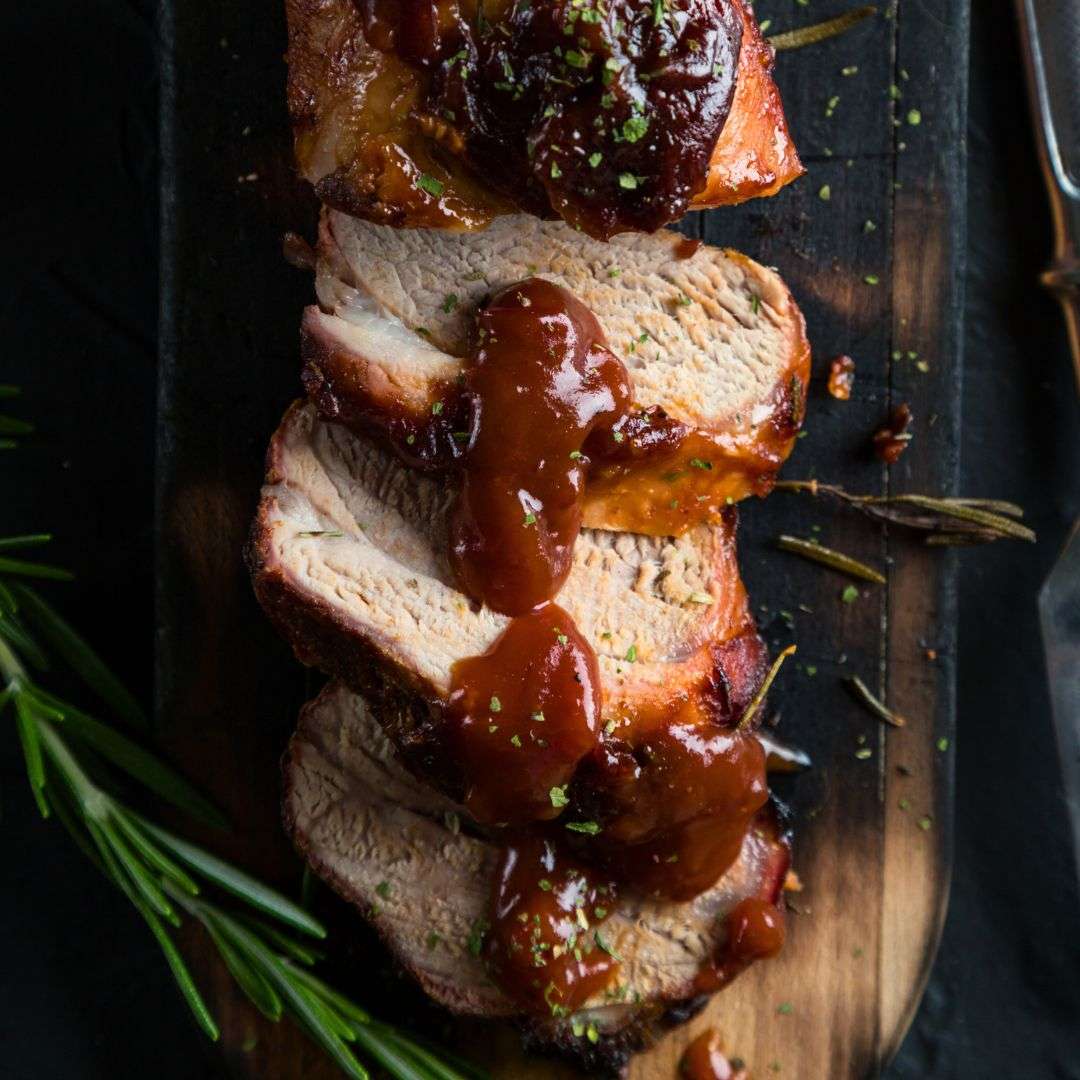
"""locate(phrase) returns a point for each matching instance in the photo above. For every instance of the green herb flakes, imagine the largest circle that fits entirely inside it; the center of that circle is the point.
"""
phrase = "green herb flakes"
(431, 185)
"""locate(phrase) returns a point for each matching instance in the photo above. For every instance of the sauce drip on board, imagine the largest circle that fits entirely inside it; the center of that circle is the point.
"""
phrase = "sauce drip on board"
(755, 931)
(705, 1060)
(605, 112)
(541, 380)
(546, 947)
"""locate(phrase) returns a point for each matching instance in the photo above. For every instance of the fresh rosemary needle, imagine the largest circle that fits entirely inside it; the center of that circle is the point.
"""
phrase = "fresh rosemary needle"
(164, 876)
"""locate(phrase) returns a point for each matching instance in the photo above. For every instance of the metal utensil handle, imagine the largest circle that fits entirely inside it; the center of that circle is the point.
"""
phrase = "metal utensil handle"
(1050, 35)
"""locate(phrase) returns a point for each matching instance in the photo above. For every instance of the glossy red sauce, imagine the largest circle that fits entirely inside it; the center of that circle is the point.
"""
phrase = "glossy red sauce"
(522, 716)
(545, 946)
(674, 795)
(541, 380)
(604, 111)
(660, 801)
(705, 1059)
(755, 931)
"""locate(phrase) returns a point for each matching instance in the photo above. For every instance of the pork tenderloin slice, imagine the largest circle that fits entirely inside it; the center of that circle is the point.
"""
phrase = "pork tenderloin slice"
(396, 849)
(358, 142)
(713, 338)
(718, 362)
(349, 556)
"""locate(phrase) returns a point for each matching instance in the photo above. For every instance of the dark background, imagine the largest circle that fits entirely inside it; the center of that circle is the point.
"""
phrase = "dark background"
(84, 993)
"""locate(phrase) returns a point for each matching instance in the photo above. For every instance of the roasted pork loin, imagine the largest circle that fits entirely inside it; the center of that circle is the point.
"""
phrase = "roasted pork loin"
(711, 338)
(407, 857)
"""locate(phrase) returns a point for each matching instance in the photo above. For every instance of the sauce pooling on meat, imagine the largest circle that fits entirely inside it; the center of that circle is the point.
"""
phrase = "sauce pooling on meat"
(522, 716)
(546, 947)
(603, 111)
(660, 800)
(541, 379)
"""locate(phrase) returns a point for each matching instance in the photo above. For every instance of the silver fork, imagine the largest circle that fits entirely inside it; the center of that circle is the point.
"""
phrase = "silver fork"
(1050, 35)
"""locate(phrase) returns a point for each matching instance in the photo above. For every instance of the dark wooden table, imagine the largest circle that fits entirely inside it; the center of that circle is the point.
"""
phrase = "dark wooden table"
(87, 995)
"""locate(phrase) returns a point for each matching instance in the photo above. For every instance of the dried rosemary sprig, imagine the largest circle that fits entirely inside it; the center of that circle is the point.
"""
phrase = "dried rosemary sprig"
(827, 557)
(811, 35)
(874, 704)
(945, 520)
(759, 697)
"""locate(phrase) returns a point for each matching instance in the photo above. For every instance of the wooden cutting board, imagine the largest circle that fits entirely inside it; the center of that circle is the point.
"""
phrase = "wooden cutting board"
(871, 243)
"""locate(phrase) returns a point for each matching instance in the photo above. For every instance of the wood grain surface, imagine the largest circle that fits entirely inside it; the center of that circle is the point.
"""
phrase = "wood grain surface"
(870, 243)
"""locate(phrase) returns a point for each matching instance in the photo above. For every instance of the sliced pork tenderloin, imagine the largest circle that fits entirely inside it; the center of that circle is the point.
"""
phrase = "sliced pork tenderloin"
(710, 337)
(407, 858)
(349, 559)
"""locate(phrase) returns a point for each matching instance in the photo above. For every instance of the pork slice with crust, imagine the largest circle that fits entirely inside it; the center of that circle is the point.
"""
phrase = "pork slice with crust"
(397, 850)
(364, 141)
(349, 559)
(710, 337)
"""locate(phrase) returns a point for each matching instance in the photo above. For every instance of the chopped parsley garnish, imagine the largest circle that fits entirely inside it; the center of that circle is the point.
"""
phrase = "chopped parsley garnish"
(383, 889)
(755, 303)
(556, 172)
(577, 59)
(515, 740)
(450, 302)
(544, 884)
(595, 158)
(590, 828)
(872, 279)
(785, 1008)
(850, 594)
(558, 796)
(495, 705)
(634, 128)
(628, 181)
(530, 519)
(631, 653)
(604, 947)
(476, 936)
(683, 300)
(436, 408)
(700, 463)
(430, 184)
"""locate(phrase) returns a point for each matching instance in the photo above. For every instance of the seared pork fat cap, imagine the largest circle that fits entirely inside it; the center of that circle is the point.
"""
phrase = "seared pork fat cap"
(406, 857)
(349, 559)
(709, 336)
(363, 140)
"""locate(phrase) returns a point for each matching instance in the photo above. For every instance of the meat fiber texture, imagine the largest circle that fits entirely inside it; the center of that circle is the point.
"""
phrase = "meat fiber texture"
(399, 851)
(712, 337)
(349, 558)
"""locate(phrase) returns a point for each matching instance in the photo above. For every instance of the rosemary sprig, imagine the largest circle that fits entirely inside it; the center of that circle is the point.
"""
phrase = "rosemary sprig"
(808, 549)
(164, 875)
(944, 520)
(822, 31)
(161, 873)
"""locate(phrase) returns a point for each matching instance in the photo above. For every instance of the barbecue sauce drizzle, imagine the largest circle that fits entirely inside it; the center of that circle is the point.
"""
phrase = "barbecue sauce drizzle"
(603, 111)
(660, 801)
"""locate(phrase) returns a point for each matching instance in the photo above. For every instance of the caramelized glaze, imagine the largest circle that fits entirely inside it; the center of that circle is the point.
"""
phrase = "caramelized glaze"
(545, 946)
(674, 792)
(606, 113)
(755, 931)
